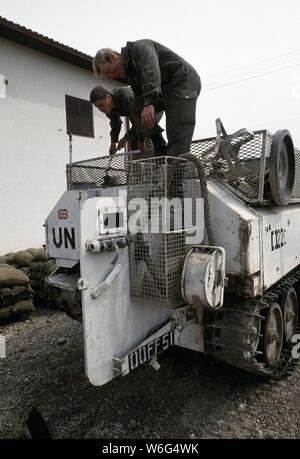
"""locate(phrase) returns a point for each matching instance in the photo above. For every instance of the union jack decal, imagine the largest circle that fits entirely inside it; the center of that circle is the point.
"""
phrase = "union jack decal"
(62, 214)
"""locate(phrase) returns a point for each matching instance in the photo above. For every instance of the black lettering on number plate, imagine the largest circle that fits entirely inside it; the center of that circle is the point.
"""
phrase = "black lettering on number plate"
(145, 353)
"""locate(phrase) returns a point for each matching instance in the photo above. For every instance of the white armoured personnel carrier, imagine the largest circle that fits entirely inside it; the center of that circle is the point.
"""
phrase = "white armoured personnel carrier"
(200, 251)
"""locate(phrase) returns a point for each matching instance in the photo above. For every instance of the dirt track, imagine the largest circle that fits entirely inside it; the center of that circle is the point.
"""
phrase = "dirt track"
(192, 396)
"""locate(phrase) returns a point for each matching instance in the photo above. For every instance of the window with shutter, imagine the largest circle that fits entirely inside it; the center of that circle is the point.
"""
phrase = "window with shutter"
(79, 115)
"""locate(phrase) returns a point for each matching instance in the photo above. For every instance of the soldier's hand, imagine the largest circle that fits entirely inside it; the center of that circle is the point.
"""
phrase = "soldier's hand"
(112, 148)
(121, 143)
(142, 146)
(148, 117)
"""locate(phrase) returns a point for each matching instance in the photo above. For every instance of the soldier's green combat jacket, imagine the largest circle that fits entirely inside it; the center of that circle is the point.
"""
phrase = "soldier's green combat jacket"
(123, 100)
(159, 76)
(125, 105)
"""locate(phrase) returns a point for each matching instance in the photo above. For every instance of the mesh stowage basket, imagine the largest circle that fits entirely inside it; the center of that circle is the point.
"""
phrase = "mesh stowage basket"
(158, 245)
(102, 172)
(296, 190)
(250, 160)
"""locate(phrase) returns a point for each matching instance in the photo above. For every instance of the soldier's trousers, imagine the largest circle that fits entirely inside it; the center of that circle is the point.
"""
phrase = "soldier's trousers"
(180, 122)
(179, 104)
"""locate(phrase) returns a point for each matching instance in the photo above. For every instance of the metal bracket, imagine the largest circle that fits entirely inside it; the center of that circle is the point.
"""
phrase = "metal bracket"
(179, 318)
(154, 363)
(229, 151)
(82, 283)
(120, 362)
(124, 362)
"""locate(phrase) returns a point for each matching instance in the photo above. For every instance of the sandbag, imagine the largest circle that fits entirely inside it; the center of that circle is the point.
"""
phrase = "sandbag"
(16, 309)
(35, 284)
(10, 296)
(6, 297)
(38, 254)
(6, 266)
(9, 256)
(32, 251)
(49, 266)
(5, 312)
(21, 258)
(35, 275)
(22, 306)
(21, 293)
(9, 276)
(37, 265)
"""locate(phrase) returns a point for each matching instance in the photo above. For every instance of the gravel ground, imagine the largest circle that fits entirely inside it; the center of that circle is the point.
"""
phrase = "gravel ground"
(192, 396)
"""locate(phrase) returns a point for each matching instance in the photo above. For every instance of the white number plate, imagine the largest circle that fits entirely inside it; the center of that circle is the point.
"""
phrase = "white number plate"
(145, 353)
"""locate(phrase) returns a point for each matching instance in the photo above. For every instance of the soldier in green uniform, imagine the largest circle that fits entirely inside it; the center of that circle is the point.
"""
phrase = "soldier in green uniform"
(120, 102)
(160, 80)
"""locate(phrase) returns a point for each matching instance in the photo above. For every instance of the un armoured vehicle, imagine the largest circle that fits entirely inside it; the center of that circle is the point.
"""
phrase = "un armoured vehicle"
(200, 251)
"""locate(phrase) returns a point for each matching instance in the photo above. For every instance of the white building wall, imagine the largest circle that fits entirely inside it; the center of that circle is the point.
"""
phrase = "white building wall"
(33, 140)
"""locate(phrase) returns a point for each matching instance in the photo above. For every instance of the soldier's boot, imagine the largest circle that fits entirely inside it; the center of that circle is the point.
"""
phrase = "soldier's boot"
(159, 144)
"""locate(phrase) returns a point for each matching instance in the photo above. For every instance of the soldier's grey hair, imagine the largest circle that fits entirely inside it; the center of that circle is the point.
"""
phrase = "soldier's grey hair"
(98, 93)
(101, 57)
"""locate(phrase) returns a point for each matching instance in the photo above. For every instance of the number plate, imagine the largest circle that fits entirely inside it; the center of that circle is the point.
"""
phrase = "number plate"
(145, 353)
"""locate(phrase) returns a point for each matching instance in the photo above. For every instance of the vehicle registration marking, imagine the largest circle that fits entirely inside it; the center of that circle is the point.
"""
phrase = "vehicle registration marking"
(146, 352)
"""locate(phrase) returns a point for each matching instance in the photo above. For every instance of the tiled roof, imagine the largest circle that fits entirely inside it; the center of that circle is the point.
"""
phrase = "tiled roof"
(34, 40)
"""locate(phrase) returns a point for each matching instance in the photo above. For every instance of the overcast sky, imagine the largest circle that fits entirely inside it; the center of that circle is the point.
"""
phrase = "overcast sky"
(247, 52)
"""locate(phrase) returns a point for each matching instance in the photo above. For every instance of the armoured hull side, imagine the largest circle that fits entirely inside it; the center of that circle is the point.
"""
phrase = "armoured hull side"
(236, 229)
(280, 241)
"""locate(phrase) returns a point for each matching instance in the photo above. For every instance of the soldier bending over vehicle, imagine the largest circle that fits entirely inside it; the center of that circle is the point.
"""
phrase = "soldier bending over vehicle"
(160, 80)
(120, 102)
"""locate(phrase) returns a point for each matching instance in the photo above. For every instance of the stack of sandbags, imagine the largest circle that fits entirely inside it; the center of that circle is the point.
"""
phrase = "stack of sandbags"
(16, 295)
(37, 266)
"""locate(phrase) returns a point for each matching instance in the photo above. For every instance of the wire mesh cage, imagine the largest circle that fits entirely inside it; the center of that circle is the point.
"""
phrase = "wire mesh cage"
(241, 164)
(102, 172)
(158, 234)
(246, 170)
(296, 190)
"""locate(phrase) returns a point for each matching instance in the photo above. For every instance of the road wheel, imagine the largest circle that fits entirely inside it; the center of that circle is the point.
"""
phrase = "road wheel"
(290, 314)
(273, 335)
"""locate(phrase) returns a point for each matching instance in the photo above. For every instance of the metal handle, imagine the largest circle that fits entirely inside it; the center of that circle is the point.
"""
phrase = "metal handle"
(107, 283)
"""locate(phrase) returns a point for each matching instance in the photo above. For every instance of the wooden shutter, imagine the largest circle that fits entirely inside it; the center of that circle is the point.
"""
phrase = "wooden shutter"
(79, 115)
